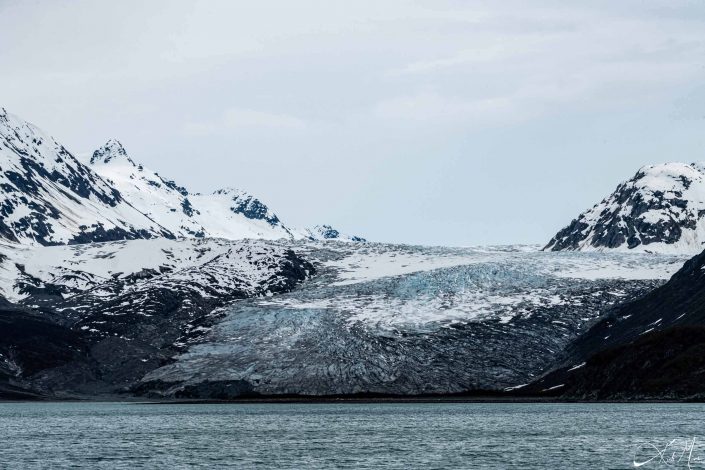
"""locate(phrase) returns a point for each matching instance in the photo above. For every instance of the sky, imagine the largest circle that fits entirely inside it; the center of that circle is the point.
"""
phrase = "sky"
(429, 122)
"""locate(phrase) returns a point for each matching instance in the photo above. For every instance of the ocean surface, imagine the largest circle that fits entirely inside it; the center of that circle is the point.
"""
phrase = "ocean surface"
(351, 435)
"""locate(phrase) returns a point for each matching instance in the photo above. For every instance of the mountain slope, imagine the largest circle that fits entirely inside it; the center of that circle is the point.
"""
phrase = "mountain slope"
(49, 197)
(232, 213)
(111, 312)
(660, 209)
(30, 343)
(324, 232)
(647, 348)
(154, 196)
(226, 213)
(663, 365)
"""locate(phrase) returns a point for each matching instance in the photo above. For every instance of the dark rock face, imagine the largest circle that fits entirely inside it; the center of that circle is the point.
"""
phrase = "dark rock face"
(31, 343)
(680, 302)
(657, 206)
(97, 233)
(172, 185)
(329, 232)
(252, 208)
(186, 207)
(651, 347)
(667, 364)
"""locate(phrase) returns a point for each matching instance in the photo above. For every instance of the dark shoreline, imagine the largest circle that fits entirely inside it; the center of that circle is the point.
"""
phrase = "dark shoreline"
(350, 399)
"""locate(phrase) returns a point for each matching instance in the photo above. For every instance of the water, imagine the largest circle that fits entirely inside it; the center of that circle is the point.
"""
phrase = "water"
(387, 435)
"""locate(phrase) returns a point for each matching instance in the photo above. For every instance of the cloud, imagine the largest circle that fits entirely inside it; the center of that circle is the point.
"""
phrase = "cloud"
(433, 107)
(239, 118)
(481, 55)
(506, 71)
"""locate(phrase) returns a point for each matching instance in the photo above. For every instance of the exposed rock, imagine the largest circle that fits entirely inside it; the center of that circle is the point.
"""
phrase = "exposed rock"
(661, 209)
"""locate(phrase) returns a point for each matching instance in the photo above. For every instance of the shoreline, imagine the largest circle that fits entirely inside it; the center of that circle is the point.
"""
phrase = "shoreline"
(450, 399)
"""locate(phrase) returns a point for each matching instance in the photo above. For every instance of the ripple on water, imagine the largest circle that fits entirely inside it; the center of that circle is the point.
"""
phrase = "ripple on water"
(386, 435)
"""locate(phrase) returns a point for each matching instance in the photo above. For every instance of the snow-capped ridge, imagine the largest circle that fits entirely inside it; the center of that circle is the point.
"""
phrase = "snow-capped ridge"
(230, 191)
(229, 212)
(226, 213)
(325, 232)
(660, 209)
(50, 197)
(246, 204)
(111, 152)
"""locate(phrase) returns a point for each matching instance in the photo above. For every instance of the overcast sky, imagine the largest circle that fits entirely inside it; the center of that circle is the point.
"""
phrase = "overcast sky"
(432, 122)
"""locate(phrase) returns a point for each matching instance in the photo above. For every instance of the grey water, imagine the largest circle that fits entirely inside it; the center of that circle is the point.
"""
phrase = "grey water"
(350, 435)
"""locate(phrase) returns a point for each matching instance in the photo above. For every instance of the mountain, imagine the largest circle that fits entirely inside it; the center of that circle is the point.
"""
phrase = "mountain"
(212, 296)
(226, 213)
(652, 347)
(49, 197)
(325, 232)
(99, 316)
(661, 209)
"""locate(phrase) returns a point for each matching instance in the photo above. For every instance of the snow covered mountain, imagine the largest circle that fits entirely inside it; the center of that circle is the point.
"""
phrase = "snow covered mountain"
(227, 213)
(324, 232)
(49, 197)
(661, 209)
(108, 313)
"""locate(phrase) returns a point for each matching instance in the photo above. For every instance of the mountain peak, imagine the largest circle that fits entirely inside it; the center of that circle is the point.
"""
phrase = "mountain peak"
(49, 197)
(111, 151)
(242, 202)
(229, 191)
(325, 232)
(660, 209)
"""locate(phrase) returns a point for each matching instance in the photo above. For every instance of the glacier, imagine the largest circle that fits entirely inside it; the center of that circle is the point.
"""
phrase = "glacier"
(404, 320)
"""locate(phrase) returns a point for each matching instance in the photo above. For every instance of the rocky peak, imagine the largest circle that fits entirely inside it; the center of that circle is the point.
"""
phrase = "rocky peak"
(112, 151)
(248, 205)
(660, 209)
(326, 232)
(49, 197)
